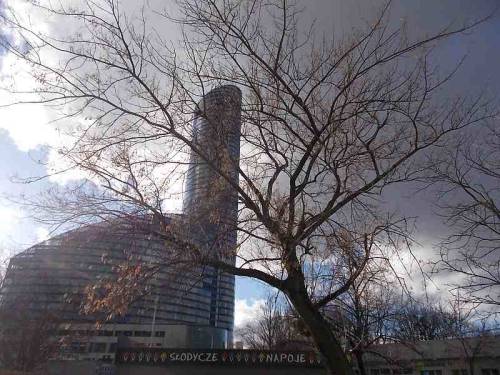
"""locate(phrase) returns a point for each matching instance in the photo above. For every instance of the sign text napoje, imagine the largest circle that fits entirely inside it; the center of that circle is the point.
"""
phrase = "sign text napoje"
(160, 357)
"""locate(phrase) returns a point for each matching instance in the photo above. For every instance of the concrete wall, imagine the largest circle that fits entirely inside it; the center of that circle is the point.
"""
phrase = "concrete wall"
(73, 368)
(92, 368)
(215, 370)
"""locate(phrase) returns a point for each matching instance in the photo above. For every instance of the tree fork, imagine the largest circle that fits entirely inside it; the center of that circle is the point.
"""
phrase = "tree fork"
(327, 344)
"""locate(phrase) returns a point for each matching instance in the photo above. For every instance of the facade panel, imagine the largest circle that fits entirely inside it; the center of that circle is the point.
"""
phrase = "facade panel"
(52, 274)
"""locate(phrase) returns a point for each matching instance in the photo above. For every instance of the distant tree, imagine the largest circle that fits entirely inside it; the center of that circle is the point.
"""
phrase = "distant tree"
(472, 335)
(468, 180)
(471, 344)
(327, 125)
(363, 317)
(274, 327)
(27, 340)
(422, 321)
(461, 328)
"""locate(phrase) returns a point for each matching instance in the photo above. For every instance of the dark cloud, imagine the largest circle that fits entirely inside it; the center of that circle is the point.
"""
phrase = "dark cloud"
(481, 46)
(478, 72)
(3, 35)
(422, 17)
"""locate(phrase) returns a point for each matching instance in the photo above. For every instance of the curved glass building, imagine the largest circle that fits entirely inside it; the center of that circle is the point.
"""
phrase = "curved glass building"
(192, 308)
(211, 200)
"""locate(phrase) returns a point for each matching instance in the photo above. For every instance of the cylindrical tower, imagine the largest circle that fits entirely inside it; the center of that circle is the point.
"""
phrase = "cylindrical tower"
(50, 278)
(191, 307)
(211, 199)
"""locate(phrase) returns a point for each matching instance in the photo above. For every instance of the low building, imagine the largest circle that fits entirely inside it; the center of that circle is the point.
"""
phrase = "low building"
(177, 307)
(189, 309)
(469, 356)
(466, 356)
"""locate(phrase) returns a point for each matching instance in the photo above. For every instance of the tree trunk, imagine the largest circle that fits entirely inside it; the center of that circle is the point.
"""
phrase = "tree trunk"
(359, 360)
(335, 360)
(471, 366)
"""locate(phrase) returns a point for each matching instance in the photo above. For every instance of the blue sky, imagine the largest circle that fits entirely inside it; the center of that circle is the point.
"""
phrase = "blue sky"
(24, 130)
(17, 231)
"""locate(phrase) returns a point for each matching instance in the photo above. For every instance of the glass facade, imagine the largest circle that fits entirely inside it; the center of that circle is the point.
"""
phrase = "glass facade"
(197, 303)
(52, 275)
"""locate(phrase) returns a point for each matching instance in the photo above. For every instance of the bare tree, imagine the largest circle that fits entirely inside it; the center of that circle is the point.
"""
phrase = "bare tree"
(422, 321)
(464, 328)
(326, 125)
(273, 328)
(27, 341)
(375, 310)
(471, 335)
(364, 315)
(468, 176)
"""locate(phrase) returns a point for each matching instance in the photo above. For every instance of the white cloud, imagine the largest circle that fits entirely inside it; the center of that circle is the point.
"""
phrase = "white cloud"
(42, 234)
(9, 219)
(246, 310)
(27, 124)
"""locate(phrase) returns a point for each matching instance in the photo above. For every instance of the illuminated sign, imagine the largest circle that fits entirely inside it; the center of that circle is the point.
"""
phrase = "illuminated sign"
(162, 357)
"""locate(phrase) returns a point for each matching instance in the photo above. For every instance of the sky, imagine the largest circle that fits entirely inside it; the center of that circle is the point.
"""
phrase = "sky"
(26, 130)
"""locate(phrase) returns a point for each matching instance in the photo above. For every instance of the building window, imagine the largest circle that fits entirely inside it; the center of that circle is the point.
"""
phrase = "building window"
(489, 371)
(160, 334)
(460, 371)
(104, 333)
(142, 333)
(431, 372)
(78, 347)
(98, 347)
(399, 371)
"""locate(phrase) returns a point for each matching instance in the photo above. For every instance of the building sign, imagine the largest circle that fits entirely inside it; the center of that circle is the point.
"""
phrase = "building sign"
(163, 357)
(106, 369)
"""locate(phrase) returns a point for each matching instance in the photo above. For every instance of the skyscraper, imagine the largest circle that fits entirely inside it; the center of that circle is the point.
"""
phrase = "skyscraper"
(211, 200)
(195, 309)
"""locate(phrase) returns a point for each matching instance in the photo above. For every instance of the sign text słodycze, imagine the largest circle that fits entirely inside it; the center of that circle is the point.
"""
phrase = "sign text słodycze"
(160, 357)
